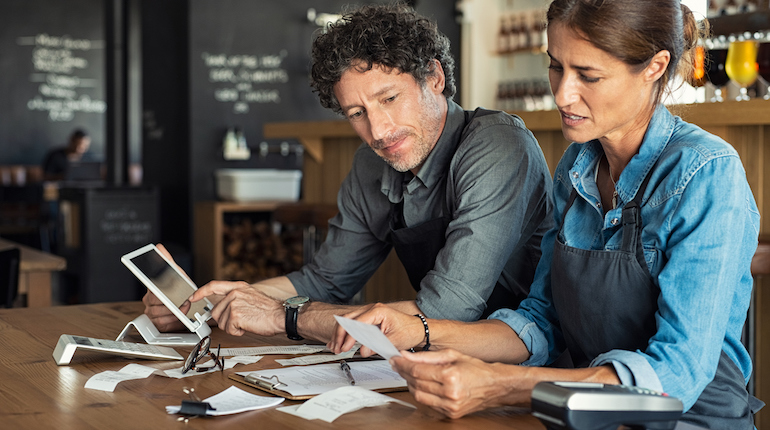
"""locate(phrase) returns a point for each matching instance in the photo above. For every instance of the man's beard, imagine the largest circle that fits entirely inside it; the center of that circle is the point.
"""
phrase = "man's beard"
(414, 157)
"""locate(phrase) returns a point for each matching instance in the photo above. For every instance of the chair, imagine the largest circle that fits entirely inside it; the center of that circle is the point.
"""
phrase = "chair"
(9, 276)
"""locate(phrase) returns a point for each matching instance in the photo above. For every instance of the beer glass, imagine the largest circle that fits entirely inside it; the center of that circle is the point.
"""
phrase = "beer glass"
(741, 64)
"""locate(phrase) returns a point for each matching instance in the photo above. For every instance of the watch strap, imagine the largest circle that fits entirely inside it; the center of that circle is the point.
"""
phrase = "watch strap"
(291, 323)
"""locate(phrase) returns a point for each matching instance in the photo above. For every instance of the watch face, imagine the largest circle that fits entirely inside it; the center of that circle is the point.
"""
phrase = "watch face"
(296, 301)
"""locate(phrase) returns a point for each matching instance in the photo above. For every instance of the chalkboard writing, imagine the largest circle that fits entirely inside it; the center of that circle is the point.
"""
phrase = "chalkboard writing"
(61, 73)
(237, 75)
(52, 69)
(125, 225)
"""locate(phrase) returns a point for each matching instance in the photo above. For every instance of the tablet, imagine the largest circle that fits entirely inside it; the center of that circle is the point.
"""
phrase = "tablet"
(170, 285)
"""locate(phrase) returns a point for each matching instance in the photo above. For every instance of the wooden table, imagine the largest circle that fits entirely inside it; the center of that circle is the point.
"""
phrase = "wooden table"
(36, 393)
(35, 270)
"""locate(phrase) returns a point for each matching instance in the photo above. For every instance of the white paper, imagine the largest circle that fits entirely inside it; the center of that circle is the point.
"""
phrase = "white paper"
(370, 336)
(320, 378)
(108, 380)
(229, 364)
(331, 405)
(232, 401)
(264, 350)
(316, 359)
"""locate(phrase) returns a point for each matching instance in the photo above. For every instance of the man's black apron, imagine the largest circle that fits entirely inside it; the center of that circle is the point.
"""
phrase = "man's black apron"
(607, 300)
(417, 247)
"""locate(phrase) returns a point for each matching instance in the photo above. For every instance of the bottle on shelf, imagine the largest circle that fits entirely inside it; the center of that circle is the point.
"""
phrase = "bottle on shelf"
(502, 36)
(513, 33)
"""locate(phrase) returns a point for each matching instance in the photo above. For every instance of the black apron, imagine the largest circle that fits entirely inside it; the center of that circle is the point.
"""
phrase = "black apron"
(607, 300)
(417, 247)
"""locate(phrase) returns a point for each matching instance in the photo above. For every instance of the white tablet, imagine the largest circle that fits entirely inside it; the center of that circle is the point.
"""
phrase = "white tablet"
(170, 285)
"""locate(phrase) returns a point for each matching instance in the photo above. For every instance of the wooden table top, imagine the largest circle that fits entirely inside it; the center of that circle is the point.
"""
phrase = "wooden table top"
(36, 393)
(33, 260)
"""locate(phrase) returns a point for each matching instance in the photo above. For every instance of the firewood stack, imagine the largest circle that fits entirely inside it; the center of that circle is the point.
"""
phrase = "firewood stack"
(254, 250)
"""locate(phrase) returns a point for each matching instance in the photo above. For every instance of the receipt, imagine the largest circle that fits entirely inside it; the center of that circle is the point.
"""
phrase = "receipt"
(369, 335)
(316, 359)
(232, 401)
(331, 405)
(107, 381)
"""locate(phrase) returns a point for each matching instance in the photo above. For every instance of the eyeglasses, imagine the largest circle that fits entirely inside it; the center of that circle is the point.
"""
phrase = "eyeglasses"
(199, 351)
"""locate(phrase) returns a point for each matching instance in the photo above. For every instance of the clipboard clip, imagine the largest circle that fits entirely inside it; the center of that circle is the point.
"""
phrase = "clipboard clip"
(270, 383)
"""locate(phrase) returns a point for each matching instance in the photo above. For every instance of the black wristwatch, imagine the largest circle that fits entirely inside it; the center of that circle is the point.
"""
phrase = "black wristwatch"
(292, 305)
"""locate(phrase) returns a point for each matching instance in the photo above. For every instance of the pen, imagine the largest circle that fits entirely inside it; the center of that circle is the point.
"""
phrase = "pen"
(346, 368)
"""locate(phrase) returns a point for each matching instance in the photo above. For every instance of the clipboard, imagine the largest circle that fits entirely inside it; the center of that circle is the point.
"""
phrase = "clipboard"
(273, 386)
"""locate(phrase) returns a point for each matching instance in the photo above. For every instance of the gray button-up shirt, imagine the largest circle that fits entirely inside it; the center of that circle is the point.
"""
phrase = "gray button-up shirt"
(492, 176)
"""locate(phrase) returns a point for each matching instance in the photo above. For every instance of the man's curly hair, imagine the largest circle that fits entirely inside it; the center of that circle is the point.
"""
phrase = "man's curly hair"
(393, 36)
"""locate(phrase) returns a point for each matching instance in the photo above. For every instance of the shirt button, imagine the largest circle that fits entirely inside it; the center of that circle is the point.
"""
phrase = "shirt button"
(598, 204)
(614, 221)
(575, 175)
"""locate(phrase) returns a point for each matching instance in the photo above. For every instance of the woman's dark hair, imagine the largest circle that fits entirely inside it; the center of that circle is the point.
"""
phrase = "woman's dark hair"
(633, 31)
(393, 36)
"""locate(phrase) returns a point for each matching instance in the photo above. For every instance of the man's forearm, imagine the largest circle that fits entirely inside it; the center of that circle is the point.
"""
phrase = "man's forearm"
(316, 319)
(280, 287)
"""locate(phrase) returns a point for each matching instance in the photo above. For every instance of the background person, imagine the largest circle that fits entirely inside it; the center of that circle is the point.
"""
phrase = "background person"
(57, 160)
(646, 279)
(462, 196)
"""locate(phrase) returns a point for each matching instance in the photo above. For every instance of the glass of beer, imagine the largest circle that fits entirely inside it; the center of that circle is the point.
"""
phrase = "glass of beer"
(741, 64)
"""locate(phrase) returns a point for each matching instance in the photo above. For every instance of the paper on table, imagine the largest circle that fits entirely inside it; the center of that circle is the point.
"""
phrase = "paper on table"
(264, 350)
(316, 359)
(232, 401)
(320, 378)
(108, 380)
(369, 335)
(331, 405)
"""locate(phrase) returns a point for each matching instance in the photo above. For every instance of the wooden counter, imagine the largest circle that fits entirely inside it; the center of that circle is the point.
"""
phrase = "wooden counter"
(35, 270)
(38, 394)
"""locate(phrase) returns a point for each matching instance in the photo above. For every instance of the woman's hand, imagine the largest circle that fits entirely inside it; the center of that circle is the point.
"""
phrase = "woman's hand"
(456, 384)
(403, 330)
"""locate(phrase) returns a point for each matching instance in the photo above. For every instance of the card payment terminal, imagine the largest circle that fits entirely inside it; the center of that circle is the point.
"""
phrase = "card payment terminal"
(593, 406)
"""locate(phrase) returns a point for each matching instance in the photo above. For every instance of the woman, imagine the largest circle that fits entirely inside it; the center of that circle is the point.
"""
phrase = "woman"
(646, 279)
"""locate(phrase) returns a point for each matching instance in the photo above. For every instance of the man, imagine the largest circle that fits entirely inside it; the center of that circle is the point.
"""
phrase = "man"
(462, 196)
(57, 160)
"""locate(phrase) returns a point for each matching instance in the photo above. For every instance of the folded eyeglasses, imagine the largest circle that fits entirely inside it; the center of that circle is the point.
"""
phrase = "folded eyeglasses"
(201, 350)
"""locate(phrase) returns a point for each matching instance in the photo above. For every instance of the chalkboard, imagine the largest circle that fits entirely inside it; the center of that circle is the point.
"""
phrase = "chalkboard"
(51, 76)
(106, 223)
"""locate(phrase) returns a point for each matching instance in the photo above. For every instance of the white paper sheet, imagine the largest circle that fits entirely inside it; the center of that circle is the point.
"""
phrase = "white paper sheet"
(331, 405)
(317, 359)
(264, 350)
(232, 401)
(108, 380)
(320, 378)
(369, 335)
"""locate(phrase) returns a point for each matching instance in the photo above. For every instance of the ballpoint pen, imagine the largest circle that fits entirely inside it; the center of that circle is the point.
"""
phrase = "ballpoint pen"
(346, 368)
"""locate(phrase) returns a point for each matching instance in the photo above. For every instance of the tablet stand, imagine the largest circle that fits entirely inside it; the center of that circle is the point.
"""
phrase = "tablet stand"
(151, 335)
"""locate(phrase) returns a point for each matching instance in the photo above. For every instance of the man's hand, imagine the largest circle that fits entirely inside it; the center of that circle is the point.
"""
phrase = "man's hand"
(403, 330)
(161, 316)
(456, 384)
(244, 308)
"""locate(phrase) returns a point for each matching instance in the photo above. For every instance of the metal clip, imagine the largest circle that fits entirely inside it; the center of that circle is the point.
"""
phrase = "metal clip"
(270, 383)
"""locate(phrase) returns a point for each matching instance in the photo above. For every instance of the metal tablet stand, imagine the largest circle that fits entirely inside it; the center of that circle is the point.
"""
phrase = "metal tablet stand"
(151, 335)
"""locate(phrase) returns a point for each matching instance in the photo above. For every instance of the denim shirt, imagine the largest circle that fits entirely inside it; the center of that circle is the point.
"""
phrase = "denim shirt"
(490, 174)
(700, 231)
